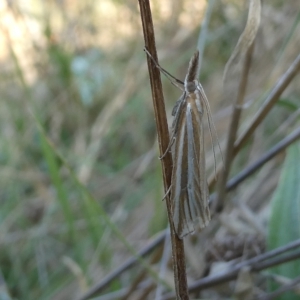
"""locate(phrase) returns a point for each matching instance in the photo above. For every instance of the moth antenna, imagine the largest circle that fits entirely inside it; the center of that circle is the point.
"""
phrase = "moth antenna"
(210, 121)
(170, 77)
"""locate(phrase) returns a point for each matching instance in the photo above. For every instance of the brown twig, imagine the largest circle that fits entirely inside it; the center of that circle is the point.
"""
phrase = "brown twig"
(236, 115)
(257, 264)
(272, 98)
(163, 141)
(272, 253)
(279, 147)
(279, 88)
(287, 287)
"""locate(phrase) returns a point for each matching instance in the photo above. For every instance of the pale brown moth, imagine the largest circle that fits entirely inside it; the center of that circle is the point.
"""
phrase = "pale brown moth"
(189, 189)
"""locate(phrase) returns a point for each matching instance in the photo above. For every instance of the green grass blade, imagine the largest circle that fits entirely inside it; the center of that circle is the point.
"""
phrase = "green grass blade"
(284, 225)
(62, 195)
(100, 212)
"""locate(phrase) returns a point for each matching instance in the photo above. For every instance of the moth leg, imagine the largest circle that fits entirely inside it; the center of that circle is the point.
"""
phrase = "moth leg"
(169, 147)
(167, 193)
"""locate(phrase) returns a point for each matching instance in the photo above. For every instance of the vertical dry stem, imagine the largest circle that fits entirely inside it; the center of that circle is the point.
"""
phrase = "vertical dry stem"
(236, 115)
(163, 141)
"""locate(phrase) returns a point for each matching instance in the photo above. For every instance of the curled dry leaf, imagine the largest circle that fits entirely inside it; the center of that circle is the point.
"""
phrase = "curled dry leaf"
(247, 37)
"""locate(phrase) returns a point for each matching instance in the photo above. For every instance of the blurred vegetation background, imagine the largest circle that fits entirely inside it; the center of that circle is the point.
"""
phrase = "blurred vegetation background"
(78, 137)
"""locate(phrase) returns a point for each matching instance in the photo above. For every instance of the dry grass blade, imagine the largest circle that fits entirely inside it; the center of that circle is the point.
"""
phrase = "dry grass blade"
(208, 282)
(281, 290)
(146, 292)
(247, 37)
(134, 285)
(141, 276)
(165, 258)
(270, 254)
(127, 265)
(279, 147)
(243, 49)
(203, 33)
(273, 97)
(101, 127)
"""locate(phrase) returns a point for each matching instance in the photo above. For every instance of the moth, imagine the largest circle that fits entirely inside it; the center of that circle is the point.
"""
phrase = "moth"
(189, 190)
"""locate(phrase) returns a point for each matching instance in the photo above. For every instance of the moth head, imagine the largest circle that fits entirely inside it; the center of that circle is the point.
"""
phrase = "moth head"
(191, 87)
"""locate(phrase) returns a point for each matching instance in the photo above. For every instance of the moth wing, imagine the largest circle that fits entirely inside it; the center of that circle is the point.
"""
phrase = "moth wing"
(189, 189)
(197, 182)
(181, 213)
